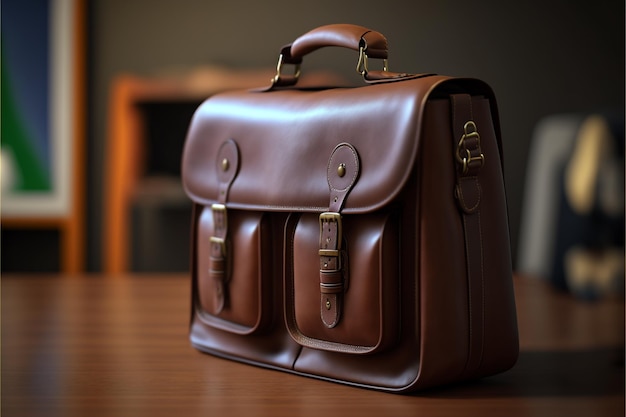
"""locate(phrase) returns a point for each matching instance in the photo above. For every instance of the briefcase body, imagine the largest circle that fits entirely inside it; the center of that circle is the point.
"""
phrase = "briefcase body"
(357, 235)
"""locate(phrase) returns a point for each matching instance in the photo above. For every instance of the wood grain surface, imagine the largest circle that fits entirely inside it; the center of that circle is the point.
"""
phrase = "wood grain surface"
(101, 346)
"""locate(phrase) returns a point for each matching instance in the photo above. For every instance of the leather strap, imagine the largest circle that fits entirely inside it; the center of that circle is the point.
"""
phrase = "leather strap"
(227, 166)
(369, 43)
(469, 161)
(342, 173)
(342, 35)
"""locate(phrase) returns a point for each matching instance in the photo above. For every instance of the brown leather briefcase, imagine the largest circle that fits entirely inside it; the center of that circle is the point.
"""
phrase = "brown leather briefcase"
(357, 235)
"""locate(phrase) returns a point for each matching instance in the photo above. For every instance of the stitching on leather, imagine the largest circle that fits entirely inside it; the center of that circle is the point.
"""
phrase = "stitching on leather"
(482, 269)
(454, 113)
(469, 293)
(292, 327)
(482, 288)
(461, 195)
(355, 155)
(289, 298)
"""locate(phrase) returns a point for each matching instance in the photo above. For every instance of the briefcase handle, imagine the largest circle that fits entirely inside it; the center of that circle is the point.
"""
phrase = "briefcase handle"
(369, 44)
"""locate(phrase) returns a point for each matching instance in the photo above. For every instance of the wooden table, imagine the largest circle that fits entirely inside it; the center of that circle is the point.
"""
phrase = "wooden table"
(118, 346)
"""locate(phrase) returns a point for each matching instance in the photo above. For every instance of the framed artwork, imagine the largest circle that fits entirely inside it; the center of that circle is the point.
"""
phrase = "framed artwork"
(37, 102)
(42, 114)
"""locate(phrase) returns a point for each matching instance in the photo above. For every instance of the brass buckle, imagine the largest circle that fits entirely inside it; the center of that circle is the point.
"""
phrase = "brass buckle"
(219, 211)
(361, 65)
(279, 70)
(331, 217)
(469, 131)
(220, 242)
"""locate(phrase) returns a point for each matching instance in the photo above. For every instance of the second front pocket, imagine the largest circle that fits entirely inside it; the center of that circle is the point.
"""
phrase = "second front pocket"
(361, 294)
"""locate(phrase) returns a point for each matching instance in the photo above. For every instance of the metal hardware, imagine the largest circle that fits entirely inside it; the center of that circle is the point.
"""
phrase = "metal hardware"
(361, 65)
(279, 70)
(220, 210)
(220, 242)
(328, 305)
(329, 252)
(341, 170)
(225, 164)
(331, 217)
(470, 132)
(220, 220)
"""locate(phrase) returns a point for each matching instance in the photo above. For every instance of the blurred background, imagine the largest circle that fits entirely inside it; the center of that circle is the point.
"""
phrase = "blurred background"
(557, 68)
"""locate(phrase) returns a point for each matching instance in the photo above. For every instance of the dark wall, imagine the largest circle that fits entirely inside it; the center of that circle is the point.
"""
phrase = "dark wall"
(541, 57)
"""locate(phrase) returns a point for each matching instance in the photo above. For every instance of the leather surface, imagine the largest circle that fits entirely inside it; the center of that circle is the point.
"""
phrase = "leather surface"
(343, 35)
(245, 293)
(369, 321)
(288, 136)
(406, 320)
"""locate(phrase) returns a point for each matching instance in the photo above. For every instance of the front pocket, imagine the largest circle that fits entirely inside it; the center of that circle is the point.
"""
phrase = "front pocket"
(235, 298)
(368, 321)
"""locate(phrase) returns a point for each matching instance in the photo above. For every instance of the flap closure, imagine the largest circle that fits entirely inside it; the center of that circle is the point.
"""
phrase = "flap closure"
(285, 140)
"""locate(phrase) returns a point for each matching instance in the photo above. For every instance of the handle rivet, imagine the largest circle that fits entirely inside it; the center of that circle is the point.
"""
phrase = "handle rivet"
(341, 170)
(225, 164)
(328, 305)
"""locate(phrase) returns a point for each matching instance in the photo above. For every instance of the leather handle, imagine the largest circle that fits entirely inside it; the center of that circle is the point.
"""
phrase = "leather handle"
(342, 35)
(367, 42)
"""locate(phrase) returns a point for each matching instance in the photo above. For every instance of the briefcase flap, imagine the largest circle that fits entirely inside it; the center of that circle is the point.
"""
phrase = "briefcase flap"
(285, 138)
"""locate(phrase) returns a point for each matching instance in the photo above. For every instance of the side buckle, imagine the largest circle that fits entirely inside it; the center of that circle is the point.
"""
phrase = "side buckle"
(468, 151)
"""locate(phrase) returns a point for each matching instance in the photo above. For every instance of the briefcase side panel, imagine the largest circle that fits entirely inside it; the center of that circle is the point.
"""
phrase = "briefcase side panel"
(501, 339)
(466, 331)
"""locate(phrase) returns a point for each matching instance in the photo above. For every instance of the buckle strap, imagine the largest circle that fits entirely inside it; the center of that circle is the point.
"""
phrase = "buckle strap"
(331, 275)
(470, 160)
(218, 271)
(468, 151)
(227, 164)
(342, 173)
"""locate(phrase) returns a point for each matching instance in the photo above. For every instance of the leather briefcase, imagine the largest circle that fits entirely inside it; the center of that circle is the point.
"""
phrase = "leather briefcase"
(357, 235)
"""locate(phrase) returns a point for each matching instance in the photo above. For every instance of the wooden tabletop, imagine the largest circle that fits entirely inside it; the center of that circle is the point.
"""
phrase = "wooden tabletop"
(118, 346)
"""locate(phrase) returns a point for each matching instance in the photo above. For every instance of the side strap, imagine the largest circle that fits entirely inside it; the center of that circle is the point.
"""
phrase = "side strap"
(469, 161)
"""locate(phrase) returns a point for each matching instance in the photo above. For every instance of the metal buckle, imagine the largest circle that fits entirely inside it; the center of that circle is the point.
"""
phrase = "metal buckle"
(331, 217)
(220, 221)
(220, 242)
(279, 70)
(361, 65)
(470, 132)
